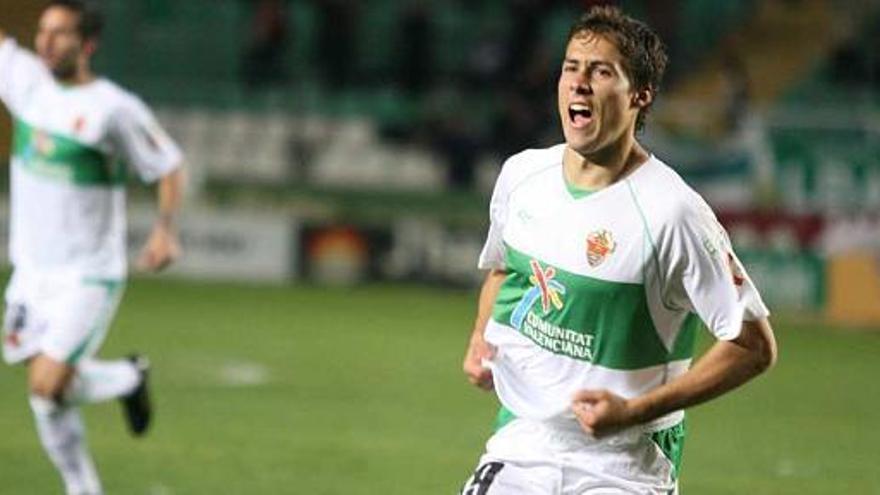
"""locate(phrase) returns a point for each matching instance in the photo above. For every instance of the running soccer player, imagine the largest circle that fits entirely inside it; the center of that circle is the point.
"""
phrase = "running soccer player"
(602, 262)
(74, 134)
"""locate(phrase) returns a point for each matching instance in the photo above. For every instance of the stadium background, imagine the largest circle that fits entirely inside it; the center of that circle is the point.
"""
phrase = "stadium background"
(342, 154)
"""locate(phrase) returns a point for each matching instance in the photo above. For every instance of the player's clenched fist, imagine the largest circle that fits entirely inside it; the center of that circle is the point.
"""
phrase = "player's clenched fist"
(601, 412)
(478, 352)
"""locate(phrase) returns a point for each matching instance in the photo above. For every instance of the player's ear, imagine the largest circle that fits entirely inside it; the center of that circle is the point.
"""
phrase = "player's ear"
(90, 46)
(643, 98)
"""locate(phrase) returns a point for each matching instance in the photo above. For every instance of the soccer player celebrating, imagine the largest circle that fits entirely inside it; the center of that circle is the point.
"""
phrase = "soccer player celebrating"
(74, 135)
(602, 262)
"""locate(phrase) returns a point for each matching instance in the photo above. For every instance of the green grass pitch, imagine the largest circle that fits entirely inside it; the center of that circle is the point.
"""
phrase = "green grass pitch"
(358, 391)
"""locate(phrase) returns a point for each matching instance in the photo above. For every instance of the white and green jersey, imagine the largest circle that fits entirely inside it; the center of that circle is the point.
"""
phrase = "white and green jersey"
(70, 152)
(606, 290)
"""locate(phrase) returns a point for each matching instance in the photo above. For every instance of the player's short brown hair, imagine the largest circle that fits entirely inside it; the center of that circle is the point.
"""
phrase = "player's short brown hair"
(644, 54)
(91, 21)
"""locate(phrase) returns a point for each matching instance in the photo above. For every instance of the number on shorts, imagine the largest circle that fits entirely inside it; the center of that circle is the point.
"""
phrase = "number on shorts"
(16, 317)
(482, 479)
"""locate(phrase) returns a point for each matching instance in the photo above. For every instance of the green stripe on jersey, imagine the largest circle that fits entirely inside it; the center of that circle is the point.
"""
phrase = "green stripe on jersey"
(589, 319)
(683, 347)
(64, 159)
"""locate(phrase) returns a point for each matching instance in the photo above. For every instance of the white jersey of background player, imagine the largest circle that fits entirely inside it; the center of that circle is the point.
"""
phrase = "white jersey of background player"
(602, 260)
(75, 137)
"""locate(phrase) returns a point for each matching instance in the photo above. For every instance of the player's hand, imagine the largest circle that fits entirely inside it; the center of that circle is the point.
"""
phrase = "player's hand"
(162, 249)
(601, 412)
(478, 351)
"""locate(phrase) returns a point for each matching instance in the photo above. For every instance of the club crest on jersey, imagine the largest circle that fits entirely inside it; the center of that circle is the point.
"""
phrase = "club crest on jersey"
(544, 288)
(79, 124)
(600, 245)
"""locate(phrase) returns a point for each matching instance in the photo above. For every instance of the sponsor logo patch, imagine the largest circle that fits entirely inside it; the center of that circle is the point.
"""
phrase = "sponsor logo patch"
(551, 291)
(544, 288)
(43, 143)
(539, 326)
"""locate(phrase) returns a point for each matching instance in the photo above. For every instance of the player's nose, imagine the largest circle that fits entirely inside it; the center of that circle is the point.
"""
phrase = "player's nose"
(580, 83)
(581, 86)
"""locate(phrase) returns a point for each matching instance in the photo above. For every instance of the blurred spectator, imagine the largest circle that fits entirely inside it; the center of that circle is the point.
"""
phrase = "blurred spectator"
(665, 17)
(737, 91)
(524, 116)
(487, 59)
(337, 32)
(457, 144)
(415, 48)
(263, 61)
(453, 135)
(850, 63)
(526, 16)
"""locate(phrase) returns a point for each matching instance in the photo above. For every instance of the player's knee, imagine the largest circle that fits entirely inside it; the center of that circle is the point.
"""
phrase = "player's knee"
(45, 386)
(47, 380)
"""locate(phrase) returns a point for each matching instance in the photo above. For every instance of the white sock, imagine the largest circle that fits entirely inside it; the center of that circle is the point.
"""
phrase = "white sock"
(62, 434)
(98, 381)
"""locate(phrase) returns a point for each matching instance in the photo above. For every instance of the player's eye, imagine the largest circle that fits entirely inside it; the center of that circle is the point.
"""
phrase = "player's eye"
(601, 71)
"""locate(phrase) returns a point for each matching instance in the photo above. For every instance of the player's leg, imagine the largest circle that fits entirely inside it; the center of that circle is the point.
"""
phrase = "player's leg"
(58, 421)
(99, 381)
(59, 425)
(96, 380)
(72, 319)
(48, 378)
(124, 379)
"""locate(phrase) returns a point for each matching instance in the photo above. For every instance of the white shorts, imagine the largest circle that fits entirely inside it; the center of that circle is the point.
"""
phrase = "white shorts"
(532, 458)
(62, 315)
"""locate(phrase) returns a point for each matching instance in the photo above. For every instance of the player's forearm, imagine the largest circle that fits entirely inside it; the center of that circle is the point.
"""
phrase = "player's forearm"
(488, 294)
(724, 367)
(170, 197)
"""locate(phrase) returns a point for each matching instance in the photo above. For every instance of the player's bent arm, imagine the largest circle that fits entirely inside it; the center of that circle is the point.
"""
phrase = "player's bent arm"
(478, 349)
(725, 366)
(162, 246)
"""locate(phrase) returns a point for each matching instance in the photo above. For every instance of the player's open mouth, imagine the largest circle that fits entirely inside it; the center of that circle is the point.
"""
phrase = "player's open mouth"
(579, 114)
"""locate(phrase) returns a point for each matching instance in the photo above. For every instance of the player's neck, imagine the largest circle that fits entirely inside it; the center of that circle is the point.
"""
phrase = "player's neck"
(603, 168)
(83, 75)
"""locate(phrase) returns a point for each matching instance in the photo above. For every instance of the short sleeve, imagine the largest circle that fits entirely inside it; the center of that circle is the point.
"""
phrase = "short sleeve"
(20, 72)
(143, 143)
(708, 277)
(493, 254)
